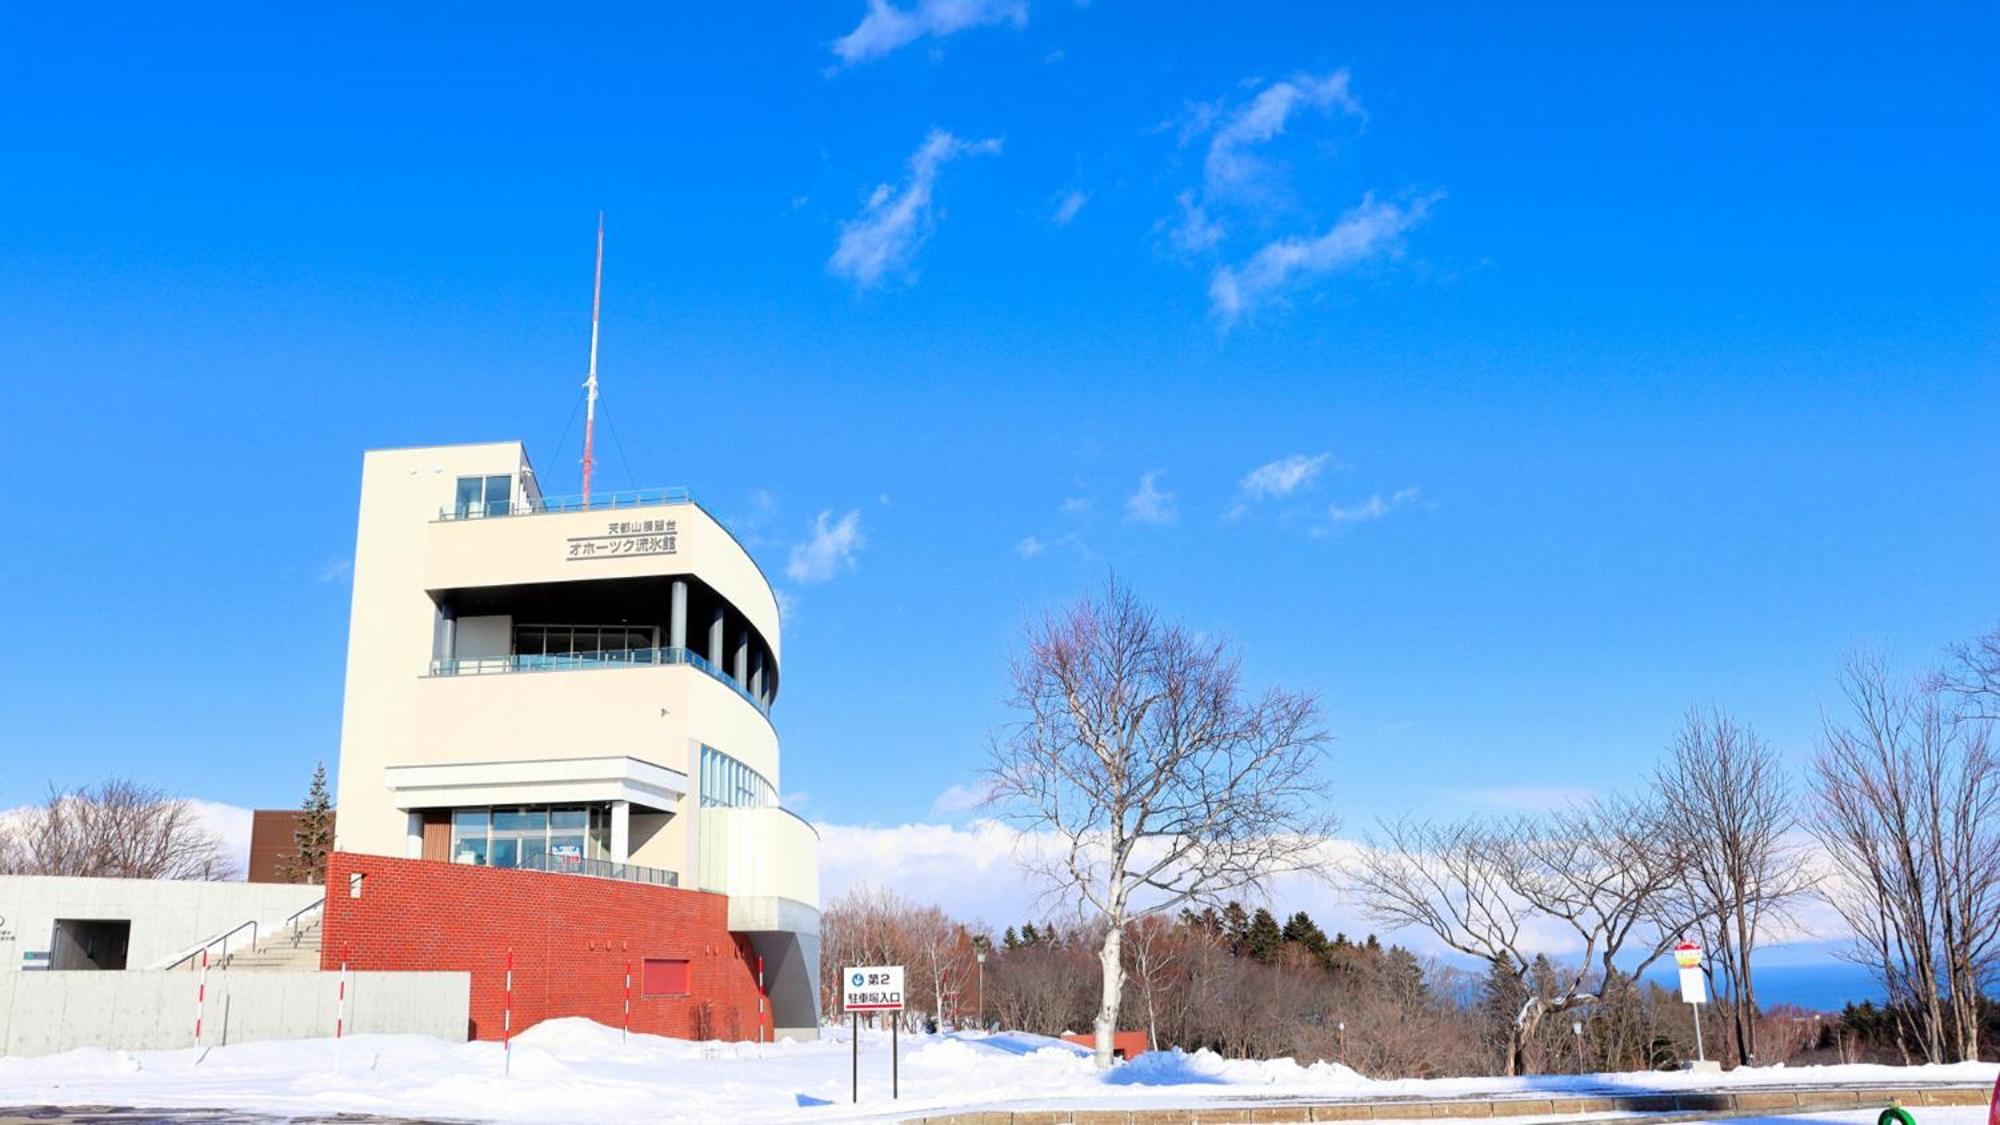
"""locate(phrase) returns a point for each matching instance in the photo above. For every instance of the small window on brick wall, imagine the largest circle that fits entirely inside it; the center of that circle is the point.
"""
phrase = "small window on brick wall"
(664, 976)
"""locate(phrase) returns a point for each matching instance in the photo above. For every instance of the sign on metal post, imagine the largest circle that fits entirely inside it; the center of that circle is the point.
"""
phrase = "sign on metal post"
(873, 988)
(1694, 987)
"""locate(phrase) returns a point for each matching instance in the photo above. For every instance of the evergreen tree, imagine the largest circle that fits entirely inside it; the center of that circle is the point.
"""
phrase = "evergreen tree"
(1501, 998)
(1029, 936)
(1263, 937)
(1300, 930)
(1010, 940)
(1235, 927)
(313, 838)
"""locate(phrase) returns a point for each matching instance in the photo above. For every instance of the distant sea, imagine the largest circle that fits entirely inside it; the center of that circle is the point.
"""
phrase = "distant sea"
(1822, 986)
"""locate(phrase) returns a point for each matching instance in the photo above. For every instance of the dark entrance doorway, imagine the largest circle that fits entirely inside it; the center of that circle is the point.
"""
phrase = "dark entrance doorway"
(87, 943)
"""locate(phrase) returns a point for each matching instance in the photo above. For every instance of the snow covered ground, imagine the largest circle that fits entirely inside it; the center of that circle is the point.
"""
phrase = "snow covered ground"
(575, 1070)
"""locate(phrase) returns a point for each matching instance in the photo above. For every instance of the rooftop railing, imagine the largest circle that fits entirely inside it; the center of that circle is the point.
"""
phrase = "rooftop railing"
(572, 661)
(600, 869)
(537, 505)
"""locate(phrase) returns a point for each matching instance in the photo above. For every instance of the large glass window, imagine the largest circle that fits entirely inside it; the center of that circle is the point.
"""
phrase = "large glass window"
(483, 496)
(615, 644)
(538, 838)
(728, 783)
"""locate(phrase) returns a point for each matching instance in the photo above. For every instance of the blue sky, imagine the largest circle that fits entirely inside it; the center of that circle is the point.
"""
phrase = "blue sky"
(1597, 362)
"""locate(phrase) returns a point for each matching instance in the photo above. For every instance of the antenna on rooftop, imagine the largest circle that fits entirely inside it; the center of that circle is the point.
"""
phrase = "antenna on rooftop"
(590, 383)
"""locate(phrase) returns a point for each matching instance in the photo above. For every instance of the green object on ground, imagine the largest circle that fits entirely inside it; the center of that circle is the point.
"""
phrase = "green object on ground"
(1895, 1115)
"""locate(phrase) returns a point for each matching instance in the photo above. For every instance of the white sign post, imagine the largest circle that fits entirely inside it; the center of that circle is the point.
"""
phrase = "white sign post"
(1694, 987)
(873, 988)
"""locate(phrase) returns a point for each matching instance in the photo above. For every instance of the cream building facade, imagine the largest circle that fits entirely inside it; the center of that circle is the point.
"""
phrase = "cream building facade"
(544, 684)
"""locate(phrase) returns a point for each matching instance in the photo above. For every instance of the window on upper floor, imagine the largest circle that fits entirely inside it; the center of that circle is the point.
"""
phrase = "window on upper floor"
(728, 783)
(483, 496)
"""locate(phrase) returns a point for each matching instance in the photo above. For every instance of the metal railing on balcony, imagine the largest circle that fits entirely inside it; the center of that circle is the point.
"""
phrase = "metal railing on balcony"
(536, 505)
(600, 869)
(615, 658)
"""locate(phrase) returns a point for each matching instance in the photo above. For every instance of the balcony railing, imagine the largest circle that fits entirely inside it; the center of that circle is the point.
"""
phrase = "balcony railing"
(571, 661)
(599, 869)
(536, 505)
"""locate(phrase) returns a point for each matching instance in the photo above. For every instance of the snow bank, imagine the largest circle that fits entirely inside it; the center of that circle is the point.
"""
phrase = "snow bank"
(576, 1070)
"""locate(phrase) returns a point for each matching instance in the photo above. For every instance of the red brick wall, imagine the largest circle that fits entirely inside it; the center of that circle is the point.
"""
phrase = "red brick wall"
(572, 937)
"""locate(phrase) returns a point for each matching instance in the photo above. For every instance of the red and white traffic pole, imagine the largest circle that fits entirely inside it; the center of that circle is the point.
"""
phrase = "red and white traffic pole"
(760, 998)
(200, 997)
(507, 1021)
(627, 1033)
(340, 1003)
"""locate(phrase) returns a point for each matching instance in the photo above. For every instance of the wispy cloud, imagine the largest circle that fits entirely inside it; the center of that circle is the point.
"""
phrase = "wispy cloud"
(1275, 480)
(1030, 547)
(1194, 231)
(336, 570)
(1067, 205)
(828, 550)
(1372, 229)
(885, 28)
(893, 223)
(1151, 504)
(1231, 164)
(961, 799)
(1284, 476)
(1373, 508)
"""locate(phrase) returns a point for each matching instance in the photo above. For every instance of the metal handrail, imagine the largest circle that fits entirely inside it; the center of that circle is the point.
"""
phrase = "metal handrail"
(293, 922)
(616, 658)
(223, 937)
(539, 505)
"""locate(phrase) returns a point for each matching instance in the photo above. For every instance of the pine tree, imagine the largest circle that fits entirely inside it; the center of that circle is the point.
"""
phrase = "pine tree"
(1302, 931)
(1028, 934)
(1263, 938)
(1235, 927)
(1010, 940)
(313, 838)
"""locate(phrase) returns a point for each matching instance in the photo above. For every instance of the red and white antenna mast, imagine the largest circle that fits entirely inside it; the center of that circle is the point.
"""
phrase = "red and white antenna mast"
(590, 383)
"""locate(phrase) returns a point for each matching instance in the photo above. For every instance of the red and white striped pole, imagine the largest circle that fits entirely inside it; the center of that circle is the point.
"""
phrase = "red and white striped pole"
(507, 1022)
(627, 1032)
(340, 1004)
(760, 998)
(200, 997)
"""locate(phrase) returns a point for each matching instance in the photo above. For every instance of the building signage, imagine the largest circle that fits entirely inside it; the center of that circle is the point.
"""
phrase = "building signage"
(34, 959)
(6, 931)
(625, 539)
(872, 988)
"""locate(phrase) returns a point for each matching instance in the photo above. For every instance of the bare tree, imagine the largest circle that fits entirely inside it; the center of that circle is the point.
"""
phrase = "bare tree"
(1908, 791)
(1489, 890)
(116, 829)
(1973, 674)
(1726, 806)
(1151, 774)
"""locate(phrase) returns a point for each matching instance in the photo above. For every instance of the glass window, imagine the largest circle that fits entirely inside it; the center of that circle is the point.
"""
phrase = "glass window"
(497, 495)
(518, 820)
(470, 489)
(728, 783)
(566, 818)
(469, 849)
(506, 851)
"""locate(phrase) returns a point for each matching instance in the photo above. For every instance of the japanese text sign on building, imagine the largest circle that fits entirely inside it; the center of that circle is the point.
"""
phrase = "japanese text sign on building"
(872, 988)
(624, 539)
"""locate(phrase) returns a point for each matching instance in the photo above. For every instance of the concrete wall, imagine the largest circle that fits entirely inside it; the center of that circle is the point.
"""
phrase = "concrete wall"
(42, 1013)
(167, 916)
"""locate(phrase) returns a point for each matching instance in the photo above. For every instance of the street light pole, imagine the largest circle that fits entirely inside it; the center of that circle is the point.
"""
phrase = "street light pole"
(981, 1011)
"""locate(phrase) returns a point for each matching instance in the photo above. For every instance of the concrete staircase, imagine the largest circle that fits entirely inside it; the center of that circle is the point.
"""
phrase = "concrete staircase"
(294, 947)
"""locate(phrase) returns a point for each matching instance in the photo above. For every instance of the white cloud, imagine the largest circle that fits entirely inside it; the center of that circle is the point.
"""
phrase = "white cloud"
(1067, 205)
(1030, 547)
(885, 27)
(1284, 476)
(1230, 165)
(1195, 231)
(961, 799)
(336, 570)
(1371, 229)
(1151, 504)
(1076, 505)
(829, 550)
(1373, 508)
(888, 230)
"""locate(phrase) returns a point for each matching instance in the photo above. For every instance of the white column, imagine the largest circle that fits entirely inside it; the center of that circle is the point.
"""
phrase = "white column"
(757, 674)
(742, 660)
(677, 618)
(621, 831)
(413, 846)
(715, 641)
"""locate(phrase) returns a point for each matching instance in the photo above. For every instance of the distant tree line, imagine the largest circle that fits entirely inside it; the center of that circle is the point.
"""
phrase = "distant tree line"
(117, 829)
